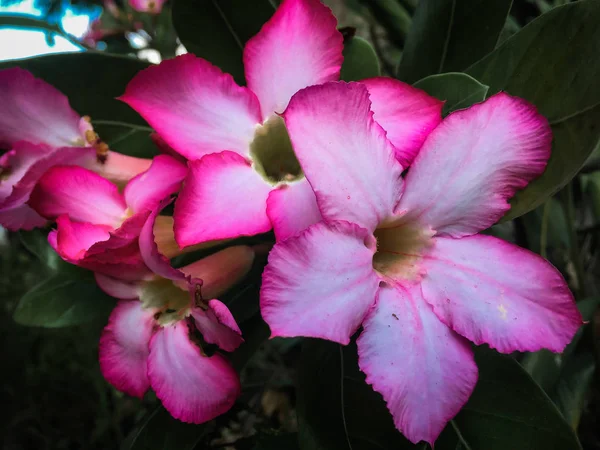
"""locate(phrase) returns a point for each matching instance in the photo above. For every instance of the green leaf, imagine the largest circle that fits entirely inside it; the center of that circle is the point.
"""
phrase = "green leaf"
(450, 35)
(64, 299)
(36, 241)
(458, 90)
(393, 16)
(326, 419)
(508, 410)
(160, 431)
(360, 60)
(553, 62)
(217, 30)
(92, 81)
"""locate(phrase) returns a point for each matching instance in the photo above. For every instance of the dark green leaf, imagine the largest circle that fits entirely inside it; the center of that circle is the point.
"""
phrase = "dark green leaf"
(393, 16)
(160, 431)
(23, 21)
(36, 241)
(217, 30)
(62, 300)
(450, 35)
(360, 60)
(327, 421)
(507, 410)
(458, 90)
(92, 81)
(553, 62)
(285, 441)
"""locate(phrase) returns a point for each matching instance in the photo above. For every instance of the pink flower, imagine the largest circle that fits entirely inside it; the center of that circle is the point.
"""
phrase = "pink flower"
(151, 342)
(402, 257)
(41, 130)
(147, 6)
(97, 226)
(237, 143)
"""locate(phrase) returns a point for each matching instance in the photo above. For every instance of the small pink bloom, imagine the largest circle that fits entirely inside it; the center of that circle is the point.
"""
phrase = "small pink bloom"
(147, 6)
(402, 257)
(98, 226)
(150, 343)
(237, 143)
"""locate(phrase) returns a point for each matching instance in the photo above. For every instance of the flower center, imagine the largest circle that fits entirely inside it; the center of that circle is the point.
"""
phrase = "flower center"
(399, 250)
(171, 302)
(272, 153)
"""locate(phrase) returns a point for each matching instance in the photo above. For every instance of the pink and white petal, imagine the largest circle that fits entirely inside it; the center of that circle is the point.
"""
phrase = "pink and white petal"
(298, 47)
(124, 348)
(196, 108)
(406, 113)
(82, 194)
(320, 283)
(21, 218)
(34, 111)
(218, 326)
(473, 163)
(424, 371)
(192, 387)
(16, 163)
(292, 208)
(494, 292)
(74, 239)
(75, 156)
(241, 206)
(120, 169)
(117, 288)
(221, 270)
(344, 153)
(161, 180)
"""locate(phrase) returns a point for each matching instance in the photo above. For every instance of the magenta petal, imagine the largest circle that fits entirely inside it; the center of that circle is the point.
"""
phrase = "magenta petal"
(241, 206)
(114, 287)
(192, 387)
(17, 163)
(196, 108)
(218, 326)
(162, 179)
(298, 47)
(320, 283)
(424, 371)
(473, 162)
(34, 111)
(147, 6)
(21, 218)
(74, 239)
(124, 348)
(292, 208)
(407, 114)
(344, 153)
(80, 193)
(496, 293)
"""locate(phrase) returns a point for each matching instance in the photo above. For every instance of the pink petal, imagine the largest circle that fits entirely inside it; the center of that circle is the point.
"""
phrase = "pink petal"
(21, 218)
(80, 193)
(496, 293)
(74, 239)
(117, 288)
(473, 162)
(292, 208)
(196, 108)
(15, 163)
(221, 270)
(120, 168)
(124, 348)
(34, 111)
(241, 206)
(298, 47)
(344, 153)
(162, 179)
(192, 387)
(424, 371)
(147, 6)
(406, 113)
(320, 283)
(218, 326)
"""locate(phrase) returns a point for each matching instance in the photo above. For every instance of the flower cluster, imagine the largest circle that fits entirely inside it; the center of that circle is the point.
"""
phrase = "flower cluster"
(376, 204)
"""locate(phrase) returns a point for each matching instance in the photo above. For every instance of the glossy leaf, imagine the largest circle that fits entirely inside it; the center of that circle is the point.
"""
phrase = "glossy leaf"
(553, 62)
(360, 60)
(458, 90)
(450, 35)
(217, 30)
(92, 81)
(36, 242)
(161, 431)
(393, 16)
(62, 300)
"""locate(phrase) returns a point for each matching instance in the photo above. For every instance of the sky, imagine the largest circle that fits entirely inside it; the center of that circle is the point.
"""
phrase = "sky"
(21, 43)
